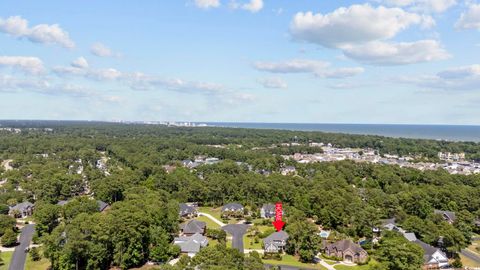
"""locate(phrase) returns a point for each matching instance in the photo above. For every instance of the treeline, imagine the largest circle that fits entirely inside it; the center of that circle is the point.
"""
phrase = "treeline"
(348, 197)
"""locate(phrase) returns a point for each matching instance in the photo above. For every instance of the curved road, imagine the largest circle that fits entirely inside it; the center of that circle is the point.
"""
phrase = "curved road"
(19, 255)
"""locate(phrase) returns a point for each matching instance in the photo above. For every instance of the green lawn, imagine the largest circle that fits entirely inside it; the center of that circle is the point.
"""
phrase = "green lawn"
(42, 264)
(210, 223)
(247, 239)
(357, 267)
(249, 243)
(6, 257)
(292, 261)
(215, 212)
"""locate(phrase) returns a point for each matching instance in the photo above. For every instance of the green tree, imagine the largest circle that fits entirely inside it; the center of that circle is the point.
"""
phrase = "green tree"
(397, 253)
(9, 238)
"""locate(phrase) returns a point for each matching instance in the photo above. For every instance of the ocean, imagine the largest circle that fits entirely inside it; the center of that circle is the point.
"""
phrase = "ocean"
(435, 132)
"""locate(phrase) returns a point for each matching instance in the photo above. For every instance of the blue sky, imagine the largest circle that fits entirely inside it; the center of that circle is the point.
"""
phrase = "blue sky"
(317, 61)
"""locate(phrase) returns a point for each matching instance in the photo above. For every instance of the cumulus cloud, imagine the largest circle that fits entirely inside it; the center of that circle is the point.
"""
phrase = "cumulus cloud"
(252, 6)
(355, 24)
(80, 62)
(318, 68)
(470, 19)
(457, 78)
(32, 65)
(102, 50)
(273, 82)
(42, 33)
(206, 4)
(382, 53)
(429, 6)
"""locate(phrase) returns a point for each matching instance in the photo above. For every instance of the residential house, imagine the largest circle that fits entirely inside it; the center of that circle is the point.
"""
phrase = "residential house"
(102, 206)
(22, 210)
(62, 203)
(268, 211)
(187, 210)
(169, 168)
(193, 227)
(449, 216)
(288, 170)
(276, 242)
(347, 251)
(433, 257)
(232, 209)
(191, 245)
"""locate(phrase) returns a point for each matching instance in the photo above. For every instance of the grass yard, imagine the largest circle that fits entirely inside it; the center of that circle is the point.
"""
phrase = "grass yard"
(357, 267)
(249, 243)
(6, 257)
(42, 264)
(468, 262)
(293, 261)
(215, 212)
(210, 223)
(247, 239)
(473, 247)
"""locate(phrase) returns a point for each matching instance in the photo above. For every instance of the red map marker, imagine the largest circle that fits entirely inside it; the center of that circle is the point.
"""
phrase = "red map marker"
(278, 223)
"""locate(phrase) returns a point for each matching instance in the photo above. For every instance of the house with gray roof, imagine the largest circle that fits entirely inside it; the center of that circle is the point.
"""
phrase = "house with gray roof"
(448, 216)
(232, 208)
(187, 210)
(347, 251)
(193, 227)
(410, 236)
(276, 242)
(62, 202)
(102, 206)
(267, 211)
(22, 210)
(433, 257)
(191, 245)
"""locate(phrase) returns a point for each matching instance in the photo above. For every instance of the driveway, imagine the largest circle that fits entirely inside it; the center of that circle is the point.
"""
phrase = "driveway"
(19, 255)
(237, 231)
(221, 224)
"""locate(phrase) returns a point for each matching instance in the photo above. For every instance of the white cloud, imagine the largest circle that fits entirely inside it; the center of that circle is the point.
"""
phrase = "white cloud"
(382, 53)
(104, 74)
(340, 73)
(318, 68)
(32, 65)
(80, 62)
(273, 82)
(470, 19)
(252, 6)
(206, 4)
(355, 24)
(41, 33)
(291, 66)
(429, 6)
(457, 78)
(101, 50)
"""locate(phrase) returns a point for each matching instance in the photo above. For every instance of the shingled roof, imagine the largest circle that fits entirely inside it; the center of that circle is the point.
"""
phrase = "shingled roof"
(193, 226)
(343, 245)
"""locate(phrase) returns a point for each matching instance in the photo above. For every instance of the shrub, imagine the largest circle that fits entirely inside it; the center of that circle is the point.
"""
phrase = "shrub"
(35, 255)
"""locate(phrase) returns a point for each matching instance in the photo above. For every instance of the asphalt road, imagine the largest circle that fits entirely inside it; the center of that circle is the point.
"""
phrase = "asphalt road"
(237, 231)
(19, 255)
(470, 255)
